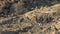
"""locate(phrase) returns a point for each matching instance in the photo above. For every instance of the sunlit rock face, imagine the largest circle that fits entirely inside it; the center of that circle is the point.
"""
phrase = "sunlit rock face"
(29, 16)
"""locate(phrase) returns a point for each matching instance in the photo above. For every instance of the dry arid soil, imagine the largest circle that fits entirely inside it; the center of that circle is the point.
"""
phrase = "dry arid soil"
(29, 16)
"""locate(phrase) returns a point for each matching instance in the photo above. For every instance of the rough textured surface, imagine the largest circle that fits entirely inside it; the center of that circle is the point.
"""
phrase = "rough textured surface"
(29, 16)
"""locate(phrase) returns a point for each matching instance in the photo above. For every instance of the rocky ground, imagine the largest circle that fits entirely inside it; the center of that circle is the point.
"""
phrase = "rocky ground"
(29, 16)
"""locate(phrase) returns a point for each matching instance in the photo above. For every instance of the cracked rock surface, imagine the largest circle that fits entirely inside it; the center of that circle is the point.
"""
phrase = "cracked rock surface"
(29, 16)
